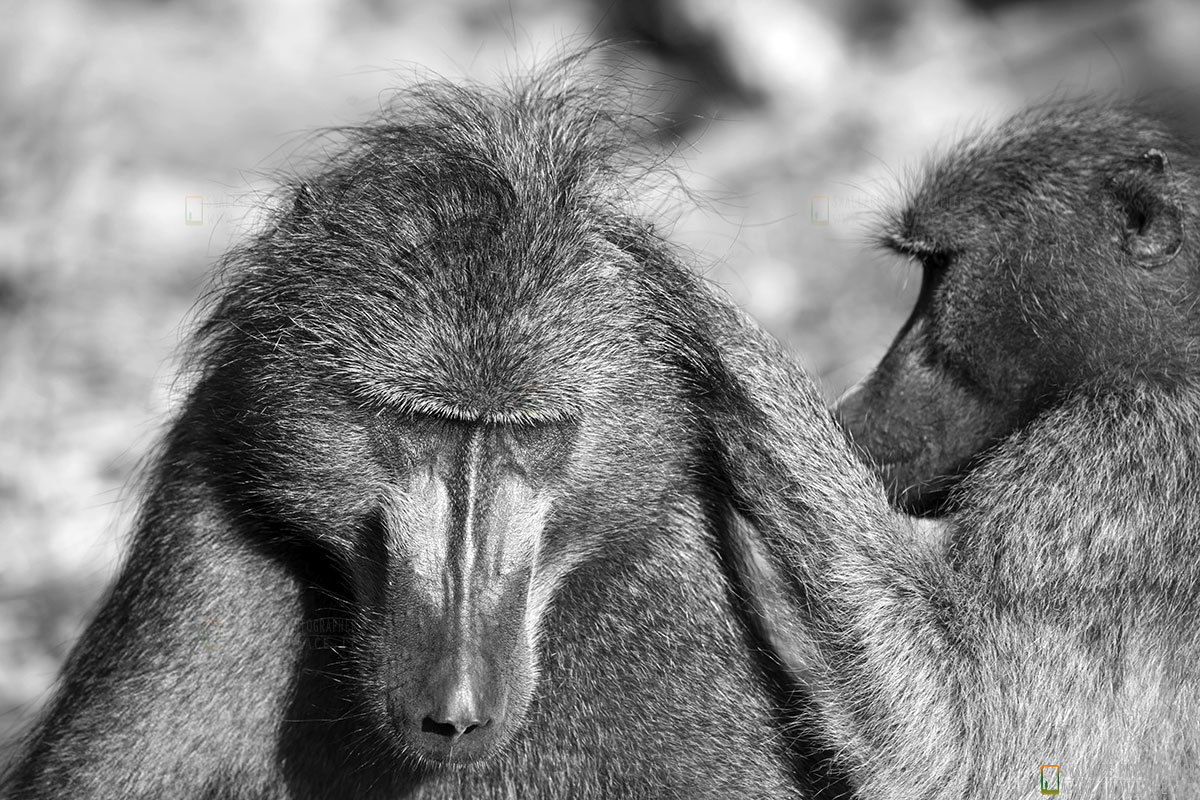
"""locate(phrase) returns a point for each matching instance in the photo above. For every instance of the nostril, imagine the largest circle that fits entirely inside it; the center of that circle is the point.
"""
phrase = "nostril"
(451, 730)
(428, 725)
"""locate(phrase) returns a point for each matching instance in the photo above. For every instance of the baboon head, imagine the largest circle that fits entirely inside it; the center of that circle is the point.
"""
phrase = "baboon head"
(1057, 254)
(429, 370)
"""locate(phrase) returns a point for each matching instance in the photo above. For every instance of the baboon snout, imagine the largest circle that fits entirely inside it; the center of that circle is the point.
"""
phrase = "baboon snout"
(460, 715)
(465, 535)
(919, 425)
(468, 677)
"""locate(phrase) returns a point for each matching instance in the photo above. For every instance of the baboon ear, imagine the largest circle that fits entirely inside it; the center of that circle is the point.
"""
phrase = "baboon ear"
(1151, 216)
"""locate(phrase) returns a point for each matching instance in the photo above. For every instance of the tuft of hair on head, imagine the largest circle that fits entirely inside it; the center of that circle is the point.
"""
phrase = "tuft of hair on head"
(454, 190)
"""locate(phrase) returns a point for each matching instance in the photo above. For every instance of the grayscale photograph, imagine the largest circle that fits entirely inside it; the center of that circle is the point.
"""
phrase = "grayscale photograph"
(634, 399)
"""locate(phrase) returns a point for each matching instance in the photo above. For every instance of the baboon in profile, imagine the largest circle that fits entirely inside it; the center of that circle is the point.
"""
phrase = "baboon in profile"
(436, 519)
(1055, 262)
(1049, 380)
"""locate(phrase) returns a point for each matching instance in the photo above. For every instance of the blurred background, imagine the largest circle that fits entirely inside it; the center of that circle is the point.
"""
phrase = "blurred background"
(137, 138)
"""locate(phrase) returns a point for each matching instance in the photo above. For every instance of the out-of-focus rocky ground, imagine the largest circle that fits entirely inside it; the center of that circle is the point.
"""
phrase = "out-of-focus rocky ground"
(111, 113)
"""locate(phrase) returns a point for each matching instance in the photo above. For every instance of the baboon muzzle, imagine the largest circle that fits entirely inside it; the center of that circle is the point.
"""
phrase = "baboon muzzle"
(465, 538)
(477, 661)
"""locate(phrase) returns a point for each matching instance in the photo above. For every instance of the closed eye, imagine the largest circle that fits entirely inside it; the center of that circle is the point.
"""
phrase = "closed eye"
(933, 259)
(937, 261)
(930, 254)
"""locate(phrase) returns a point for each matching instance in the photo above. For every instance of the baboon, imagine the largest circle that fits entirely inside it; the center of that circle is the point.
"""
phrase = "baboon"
(1054, 263)
(436, 519)
(1048, 381)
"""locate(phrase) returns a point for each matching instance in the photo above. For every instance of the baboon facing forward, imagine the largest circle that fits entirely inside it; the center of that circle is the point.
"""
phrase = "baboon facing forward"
(1045, 397)
(436, 519)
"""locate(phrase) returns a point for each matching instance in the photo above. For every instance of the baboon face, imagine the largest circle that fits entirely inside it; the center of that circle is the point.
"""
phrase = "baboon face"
(1053, 254)
(440, 526)
(445, 524)
(422, 392)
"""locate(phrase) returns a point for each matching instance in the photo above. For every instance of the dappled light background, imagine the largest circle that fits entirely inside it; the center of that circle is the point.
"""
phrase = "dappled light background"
(790, 125)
